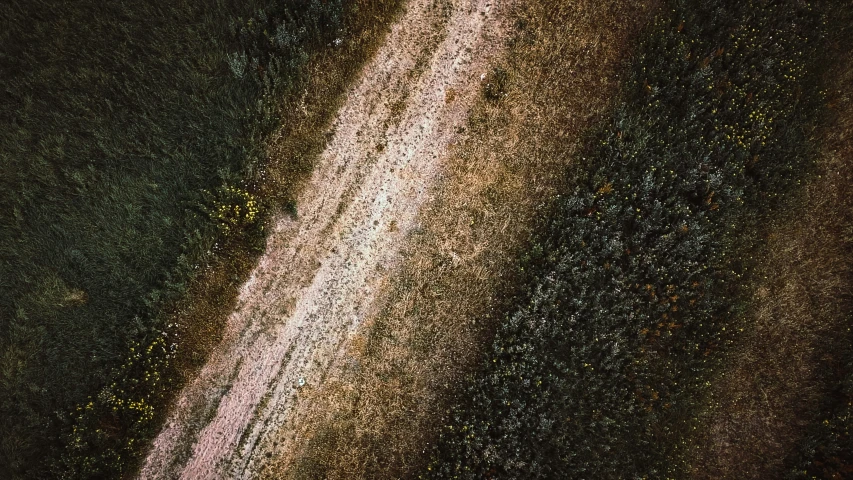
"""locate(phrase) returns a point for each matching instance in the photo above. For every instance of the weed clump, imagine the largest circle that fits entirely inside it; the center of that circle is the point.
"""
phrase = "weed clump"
(495, 85)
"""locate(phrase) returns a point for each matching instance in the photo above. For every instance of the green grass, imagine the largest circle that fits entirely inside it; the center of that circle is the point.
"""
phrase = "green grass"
(640, 273)
(132, 134)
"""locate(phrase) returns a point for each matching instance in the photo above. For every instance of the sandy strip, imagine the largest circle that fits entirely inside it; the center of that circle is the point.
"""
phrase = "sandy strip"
(320, 273)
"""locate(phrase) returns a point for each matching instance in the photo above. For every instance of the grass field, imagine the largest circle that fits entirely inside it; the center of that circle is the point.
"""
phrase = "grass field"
(135, 186)
(637, 266)
(644, 274)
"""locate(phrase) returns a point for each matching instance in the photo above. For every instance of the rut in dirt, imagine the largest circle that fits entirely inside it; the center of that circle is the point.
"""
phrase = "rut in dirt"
(319, 276)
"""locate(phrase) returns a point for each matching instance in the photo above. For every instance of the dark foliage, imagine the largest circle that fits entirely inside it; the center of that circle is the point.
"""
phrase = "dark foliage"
(638, 273)
(495, 84)
(132, 130)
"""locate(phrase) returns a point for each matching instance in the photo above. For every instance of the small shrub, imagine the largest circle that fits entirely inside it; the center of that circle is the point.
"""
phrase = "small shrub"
(496, 84)
(237, 213)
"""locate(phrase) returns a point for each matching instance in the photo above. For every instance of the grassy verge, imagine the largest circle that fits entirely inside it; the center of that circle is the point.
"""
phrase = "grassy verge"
(137, 181)
(639, 277)
(407, 362)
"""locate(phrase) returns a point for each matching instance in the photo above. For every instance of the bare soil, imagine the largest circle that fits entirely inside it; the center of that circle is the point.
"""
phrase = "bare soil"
(317, 281)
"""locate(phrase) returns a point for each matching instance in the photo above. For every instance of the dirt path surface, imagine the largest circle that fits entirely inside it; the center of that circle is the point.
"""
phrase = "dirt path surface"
(317, 280)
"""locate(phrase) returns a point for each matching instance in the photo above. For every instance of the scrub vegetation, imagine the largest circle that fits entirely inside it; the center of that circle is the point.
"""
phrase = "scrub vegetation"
(641, 279)
(136, 183)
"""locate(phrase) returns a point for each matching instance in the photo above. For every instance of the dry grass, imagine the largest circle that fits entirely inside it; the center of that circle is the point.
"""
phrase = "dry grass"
(761, 403)
(378, 414)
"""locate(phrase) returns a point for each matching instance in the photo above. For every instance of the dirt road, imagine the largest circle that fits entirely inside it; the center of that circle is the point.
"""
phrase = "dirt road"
(317, 280)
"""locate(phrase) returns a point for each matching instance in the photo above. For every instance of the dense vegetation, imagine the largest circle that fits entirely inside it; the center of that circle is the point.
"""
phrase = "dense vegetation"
(132, 156)
(638, 276)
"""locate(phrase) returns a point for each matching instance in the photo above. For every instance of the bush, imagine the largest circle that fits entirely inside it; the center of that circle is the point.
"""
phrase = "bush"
(496, 83)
